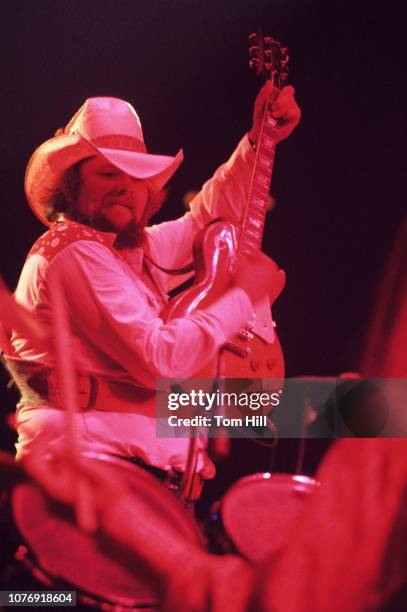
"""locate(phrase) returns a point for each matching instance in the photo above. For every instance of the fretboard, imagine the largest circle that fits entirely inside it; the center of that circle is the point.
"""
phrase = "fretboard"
(253, 223)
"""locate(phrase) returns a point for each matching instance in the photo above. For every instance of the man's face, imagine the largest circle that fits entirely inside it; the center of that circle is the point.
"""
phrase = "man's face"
(111, 199)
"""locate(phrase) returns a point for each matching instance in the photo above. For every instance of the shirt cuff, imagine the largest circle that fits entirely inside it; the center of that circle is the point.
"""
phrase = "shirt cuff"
(247, 148)
(230, 312)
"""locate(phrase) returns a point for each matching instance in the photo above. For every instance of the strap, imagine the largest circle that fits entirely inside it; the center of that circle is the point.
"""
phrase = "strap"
(176, 271)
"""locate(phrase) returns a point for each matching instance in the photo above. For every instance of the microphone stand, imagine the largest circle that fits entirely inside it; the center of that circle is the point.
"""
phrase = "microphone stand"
(220, 445)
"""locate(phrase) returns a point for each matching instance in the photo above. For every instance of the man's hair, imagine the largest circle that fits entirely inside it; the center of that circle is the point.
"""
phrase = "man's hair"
(61, 201)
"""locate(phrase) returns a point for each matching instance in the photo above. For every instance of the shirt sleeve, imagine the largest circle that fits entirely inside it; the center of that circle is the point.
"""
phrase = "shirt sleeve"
(224, 195)
(109, 309)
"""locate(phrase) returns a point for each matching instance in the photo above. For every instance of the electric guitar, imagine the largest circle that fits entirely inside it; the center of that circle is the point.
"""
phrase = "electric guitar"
(255, 351)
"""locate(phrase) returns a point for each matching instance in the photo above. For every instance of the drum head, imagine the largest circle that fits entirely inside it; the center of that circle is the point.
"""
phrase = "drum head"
(91, 563)
(259, 511)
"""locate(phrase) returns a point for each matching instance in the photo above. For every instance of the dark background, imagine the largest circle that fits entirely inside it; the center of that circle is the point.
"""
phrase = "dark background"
(338, 181)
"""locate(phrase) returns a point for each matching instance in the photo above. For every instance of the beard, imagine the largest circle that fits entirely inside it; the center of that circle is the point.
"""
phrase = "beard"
(131, 235)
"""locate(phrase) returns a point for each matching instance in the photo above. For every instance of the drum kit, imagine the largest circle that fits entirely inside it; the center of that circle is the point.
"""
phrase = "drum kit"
(43, 548)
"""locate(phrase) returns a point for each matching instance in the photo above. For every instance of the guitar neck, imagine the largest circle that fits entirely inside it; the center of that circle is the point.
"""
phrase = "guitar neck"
(253, 224)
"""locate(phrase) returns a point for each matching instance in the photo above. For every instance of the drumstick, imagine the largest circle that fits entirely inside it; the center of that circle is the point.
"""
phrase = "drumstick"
(15, 316)
(84, 509)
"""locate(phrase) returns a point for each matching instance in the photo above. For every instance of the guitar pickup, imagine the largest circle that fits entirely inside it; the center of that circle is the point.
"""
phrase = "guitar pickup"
(234, 348)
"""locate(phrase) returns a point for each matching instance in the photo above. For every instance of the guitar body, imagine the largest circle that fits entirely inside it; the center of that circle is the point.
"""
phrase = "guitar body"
(255, 351)
(246, 354)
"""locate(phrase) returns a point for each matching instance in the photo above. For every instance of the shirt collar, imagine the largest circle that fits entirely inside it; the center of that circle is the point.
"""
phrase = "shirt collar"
(107, 237)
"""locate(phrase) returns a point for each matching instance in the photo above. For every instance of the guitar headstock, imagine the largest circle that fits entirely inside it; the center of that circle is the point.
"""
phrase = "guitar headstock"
(268, 58)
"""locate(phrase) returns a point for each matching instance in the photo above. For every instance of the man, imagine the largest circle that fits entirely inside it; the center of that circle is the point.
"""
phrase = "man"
(96, 185)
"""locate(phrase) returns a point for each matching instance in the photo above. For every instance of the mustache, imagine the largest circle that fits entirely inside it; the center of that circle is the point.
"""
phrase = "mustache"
(113, 201)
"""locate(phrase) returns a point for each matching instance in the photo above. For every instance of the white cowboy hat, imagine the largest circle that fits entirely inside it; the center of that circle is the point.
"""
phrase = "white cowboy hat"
(109, 127)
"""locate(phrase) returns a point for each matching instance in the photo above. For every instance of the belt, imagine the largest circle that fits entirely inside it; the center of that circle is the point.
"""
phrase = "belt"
(38, 385)
(116, 396)
(171, 479)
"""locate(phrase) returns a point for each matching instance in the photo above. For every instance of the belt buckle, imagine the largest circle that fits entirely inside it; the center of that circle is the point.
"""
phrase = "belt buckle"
(194, 490)
(173, 480)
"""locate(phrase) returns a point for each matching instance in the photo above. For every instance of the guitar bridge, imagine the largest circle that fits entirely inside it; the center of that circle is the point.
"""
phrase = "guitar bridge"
(245, 334)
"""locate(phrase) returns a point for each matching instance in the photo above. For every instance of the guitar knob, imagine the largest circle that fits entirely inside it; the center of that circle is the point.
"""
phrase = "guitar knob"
(271, 364)
(255, 364)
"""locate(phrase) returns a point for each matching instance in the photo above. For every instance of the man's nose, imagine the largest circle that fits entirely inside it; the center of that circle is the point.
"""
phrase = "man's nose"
(128, 183)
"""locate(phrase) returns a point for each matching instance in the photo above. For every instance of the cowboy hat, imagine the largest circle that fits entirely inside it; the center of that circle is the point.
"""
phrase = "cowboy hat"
(109, 127)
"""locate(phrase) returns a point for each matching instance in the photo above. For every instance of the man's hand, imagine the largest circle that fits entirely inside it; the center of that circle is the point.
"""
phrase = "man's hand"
(259, 276)
(284, 108)
(76, 481)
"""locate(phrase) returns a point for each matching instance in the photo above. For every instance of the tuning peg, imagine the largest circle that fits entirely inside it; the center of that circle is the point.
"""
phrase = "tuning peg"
(272, 42)
(254, 51)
